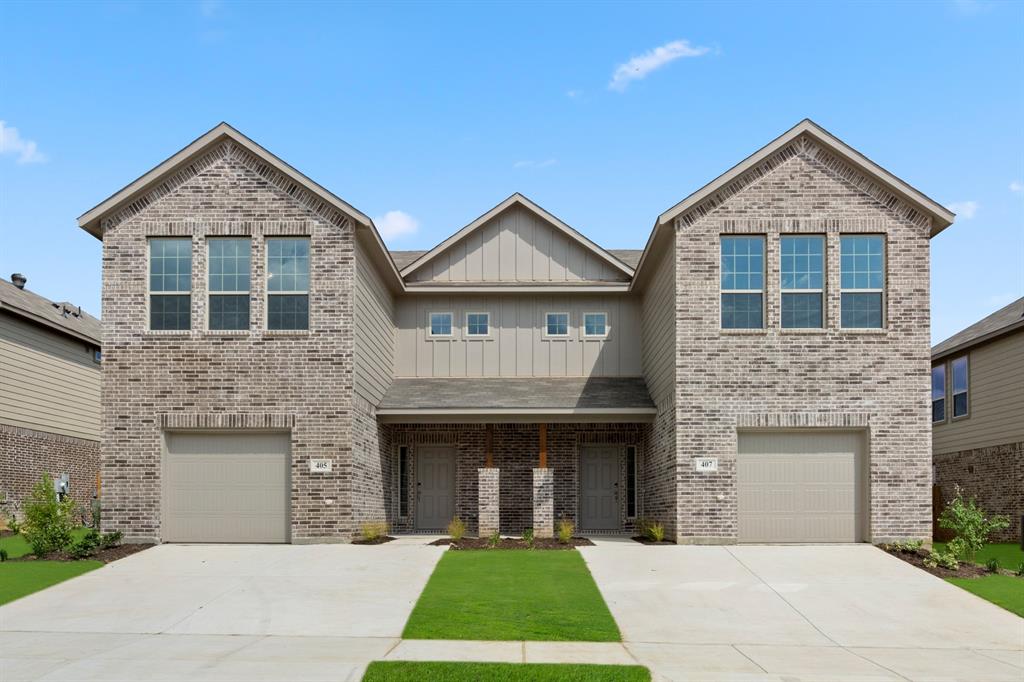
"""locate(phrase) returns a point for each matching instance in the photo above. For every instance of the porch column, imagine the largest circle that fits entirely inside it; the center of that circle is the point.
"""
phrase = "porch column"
(488, 490)
(543, 491)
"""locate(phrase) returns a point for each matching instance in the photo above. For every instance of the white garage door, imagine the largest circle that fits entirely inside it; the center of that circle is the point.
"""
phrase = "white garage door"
(225, 487)
(803, 486)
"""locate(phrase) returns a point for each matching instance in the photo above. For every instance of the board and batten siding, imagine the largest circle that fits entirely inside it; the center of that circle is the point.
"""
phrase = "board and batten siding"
(49, 382)
(516, 345)
(517, 245)
(658, 330)
(374, 341)
(995, 398)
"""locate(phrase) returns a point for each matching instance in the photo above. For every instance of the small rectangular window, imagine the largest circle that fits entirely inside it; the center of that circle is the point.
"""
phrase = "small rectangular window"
(170, 283)
(742, 282)
(939, 393)
(403, 480)
(228, 268)
(556, 324)
(960, 387)
(862, 281)
(595, 324)
(802, 271)
(440, 324)
(97, 356)
(288, 283)
(478, 324)
(631, 465)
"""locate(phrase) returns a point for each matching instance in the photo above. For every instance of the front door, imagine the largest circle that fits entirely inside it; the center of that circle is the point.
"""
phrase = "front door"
(599, 487)
(435, 486)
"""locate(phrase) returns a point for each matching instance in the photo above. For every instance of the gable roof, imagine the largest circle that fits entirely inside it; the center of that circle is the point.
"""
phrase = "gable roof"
(517, 199)
(62, 317)
(1002, 321)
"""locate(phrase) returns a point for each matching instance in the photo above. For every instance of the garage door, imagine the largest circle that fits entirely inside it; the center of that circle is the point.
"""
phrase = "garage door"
(221, 487)
(801, 487)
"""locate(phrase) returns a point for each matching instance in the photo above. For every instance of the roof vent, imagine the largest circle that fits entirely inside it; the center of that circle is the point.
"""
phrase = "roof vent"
(19, 280)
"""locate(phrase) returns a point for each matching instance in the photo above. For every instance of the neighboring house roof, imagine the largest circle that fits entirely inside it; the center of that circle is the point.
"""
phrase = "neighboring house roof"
(403, 258)
(520, 200)
(1002, 321)
(630, 257)
(62, 317)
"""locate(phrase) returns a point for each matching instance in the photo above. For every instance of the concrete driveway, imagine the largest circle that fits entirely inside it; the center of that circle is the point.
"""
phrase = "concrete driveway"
(220, 612)
(800, 612)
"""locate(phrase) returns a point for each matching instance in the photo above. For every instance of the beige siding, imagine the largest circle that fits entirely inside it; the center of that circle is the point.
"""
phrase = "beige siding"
(374, 330)
(658, 330)
(517, 246)
(995, 398)
(48, 381)
(516, 345)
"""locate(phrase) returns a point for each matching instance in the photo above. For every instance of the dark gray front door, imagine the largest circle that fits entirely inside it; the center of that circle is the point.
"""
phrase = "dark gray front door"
(599, 487)
(435, 486)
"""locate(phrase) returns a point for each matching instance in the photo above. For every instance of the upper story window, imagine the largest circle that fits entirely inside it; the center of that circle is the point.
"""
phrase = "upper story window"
(742, 282)
(170, 283)
(862, 280)
(595, 325)
(478, 324)
(556, 324)
(288, 283)
(939, 393)
(440, 324)
(960, 387)
(228, 268)
(802, 271)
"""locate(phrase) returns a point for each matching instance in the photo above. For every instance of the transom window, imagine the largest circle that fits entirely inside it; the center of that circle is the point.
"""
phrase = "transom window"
(862, 280)
(742, 282)
(557, 324)
(228, 274)
(288, 283)
(802, 270)
(170, 283)
(960, 387)
(939, 393)
(595, 324)
(478, 324)
(440, 324)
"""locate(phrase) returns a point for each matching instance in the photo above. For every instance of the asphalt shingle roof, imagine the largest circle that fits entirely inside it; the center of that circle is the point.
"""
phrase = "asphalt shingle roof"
(996, 323)
(518, 393)
(63, 316)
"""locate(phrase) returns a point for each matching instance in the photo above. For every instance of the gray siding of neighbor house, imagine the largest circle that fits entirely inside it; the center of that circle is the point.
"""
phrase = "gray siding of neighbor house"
(375, 329)
(995, 397)
(49, 382)
(517, 245)
(517, 345)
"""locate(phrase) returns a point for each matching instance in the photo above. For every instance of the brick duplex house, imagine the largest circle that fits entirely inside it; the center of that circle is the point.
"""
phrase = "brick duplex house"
(759, 372)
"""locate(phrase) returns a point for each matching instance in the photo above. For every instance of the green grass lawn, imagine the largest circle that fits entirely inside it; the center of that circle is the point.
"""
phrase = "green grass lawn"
(512, 595)
(19, 578)
(1006, 591)
(415, 671)
(17, 547)
(1008, 554)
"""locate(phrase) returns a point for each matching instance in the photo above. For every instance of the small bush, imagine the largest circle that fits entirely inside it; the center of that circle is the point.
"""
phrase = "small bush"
(48, 521)
(456, 529)
(992, 565)
(528, 537)
(3, 554)
(493, 539)
(970, 525)
(565, 529)
(1020, 570)
(944, 559)
(13, 525)
(85, 546)
(374, 530)
(906, 547)
(655, 531)
(111, 539)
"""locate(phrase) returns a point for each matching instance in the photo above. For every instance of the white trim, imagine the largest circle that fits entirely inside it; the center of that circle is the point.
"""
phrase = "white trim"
(430, 325)
(824, 279)
(762, 292)
(568, 325)
(267, 293)
(466, 333)
(149, 274)
(607, 326)
(247, 293)
(516, 288)
(885, 279)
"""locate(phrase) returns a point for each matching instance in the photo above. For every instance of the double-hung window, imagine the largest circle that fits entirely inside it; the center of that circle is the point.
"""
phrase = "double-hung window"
(595, 325)
(478, 324)
(742, 282)
(556, 324)
(960, 387)
(802, 273)
(440, 324)
(170, 283)
(939, 393)
(228, 265)
(862, 279)
(288, 283)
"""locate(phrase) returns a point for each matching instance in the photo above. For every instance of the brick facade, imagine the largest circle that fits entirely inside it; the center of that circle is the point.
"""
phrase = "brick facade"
(992, 475)
(488, 501)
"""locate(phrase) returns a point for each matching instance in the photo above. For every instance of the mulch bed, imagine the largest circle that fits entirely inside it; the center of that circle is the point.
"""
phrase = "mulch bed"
(647, 541)
(105, 555)
(6, 533)
(376, 541)
(966, 570)
(512, 543)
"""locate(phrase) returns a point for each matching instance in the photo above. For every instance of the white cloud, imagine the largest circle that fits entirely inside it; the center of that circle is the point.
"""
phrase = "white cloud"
(394, 224)
(535, 164)
(573, 94)
(1017, 187)
(964, 209)
(637, 68)
(11, 142)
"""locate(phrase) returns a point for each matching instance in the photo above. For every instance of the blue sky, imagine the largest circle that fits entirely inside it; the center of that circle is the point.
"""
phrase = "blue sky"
(426, 115)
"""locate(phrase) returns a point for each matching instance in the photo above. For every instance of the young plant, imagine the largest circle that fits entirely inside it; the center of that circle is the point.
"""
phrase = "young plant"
(456, 529)
(48, 521)
(944, 559)
(13, 525)
(528, 537)
(111, 539)
(494, 539)
(992, 565)
(85, 546)
(906, 547)
(565, 529)
(1020, 570)
(656, 531)
(970, 525)
(374, 530)
(3, 554)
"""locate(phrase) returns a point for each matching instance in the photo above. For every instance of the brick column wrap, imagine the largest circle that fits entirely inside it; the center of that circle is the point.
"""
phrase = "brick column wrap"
(487, 499)
(543, 503)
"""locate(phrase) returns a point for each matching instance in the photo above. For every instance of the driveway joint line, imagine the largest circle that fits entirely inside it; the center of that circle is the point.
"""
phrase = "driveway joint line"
(744, 654)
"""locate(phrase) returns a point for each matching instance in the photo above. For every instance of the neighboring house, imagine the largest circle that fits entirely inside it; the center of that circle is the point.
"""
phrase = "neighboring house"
(50, 385)
(759, 372)
(978, 414)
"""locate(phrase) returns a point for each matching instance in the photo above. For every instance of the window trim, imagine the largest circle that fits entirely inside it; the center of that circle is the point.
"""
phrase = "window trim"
(568, 324)
(209, 293)
(944, 399)
(466, 331)
(764, 280)
(824, 279)
(607, 325)
(953, 416)
(267, 293)
(636, 482)
(885, 280)
(403, 510)
(149, 284)
(451, 325)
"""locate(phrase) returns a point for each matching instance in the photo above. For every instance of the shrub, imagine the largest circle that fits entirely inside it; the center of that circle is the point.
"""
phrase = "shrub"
(944, 559)
(905, 547)
(992, 565)
(528, 537)
(85, 546)
(111, 539)
(456, 529)
(565, 529)
(48, 521)
(493, 539)
(970, 525)
(1020, 570)
(655, 531)
(3, 554)
(13, 525)
(374, 530)
(642, 524)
